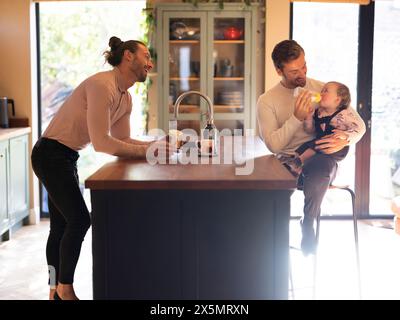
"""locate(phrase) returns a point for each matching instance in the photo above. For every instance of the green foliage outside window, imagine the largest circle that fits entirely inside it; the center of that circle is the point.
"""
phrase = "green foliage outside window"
(73, 38)
(220, 2)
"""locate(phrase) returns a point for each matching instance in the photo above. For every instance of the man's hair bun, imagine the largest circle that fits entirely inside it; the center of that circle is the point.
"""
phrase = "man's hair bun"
(114, 43)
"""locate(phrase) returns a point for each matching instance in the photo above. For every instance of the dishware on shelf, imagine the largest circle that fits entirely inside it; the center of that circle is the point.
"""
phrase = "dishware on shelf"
(173, 91)
(178, 31)
(195, 68)
(226, 68)
(230, 98)
(232, 33)
(192, 33)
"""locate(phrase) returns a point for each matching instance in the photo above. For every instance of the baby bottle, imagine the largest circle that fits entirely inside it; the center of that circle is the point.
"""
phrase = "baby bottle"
(315, 96)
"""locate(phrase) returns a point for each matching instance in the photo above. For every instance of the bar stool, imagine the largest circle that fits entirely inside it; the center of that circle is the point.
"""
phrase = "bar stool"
(352, 195)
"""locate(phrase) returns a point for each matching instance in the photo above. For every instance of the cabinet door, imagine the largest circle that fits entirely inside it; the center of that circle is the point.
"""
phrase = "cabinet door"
(209, 50)
(184, 66)
(18, 174)
(3, 185)
(230, 44)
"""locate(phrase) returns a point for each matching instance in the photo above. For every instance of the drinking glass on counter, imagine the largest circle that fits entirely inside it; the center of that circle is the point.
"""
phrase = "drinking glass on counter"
(175, 138)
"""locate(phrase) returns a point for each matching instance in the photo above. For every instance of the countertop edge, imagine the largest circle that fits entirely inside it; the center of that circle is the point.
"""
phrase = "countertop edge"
(191, 185)
(13, 132)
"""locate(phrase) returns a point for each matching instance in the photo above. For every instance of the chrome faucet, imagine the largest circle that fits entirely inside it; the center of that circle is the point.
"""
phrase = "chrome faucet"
(210, 108)
(210, 132)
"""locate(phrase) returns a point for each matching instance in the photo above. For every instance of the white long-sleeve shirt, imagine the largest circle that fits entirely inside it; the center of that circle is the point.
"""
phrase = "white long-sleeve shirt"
(281, 131)
(97, 111)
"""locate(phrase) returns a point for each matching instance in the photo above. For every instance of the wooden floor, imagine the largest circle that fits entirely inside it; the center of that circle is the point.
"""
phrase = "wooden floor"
(23, 271)
(336, 276)
(23, 267)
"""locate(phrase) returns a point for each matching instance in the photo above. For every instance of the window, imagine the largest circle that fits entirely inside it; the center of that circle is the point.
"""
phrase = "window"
(328, 33)
(385, 124)
(73, 37)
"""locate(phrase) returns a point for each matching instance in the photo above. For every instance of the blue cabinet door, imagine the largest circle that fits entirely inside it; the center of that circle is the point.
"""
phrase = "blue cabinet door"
(3, 186)
(18, 206)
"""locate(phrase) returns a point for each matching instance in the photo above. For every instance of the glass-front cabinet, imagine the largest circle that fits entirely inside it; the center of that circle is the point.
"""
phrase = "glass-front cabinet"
(210, 50)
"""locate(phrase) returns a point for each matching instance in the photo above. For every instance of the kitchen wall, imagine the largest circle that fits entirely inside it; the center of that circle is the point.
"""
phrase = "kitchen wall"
(18, 61)
(277, 29)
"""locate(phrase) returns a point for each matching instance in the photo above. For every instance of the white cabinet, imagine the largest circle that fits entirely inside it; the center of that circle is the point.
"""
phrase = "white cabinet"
(209, 50)
(3, 186)
(18, 194)
(14, 182)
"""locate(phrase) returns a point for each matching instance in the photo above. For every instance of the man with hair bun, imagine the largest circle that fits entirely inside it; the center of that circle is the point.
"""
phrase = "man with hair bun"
(98, 112)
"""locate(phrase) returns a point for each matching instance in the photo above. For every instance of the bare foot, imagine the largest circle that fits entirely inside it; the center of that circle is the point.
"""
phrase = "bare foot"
(51, 294)
(66, 292)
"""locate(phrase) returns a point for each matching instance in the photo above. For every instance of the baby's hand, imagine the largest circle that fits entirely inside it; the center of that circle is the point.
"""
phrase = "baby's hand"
(339, 134)
(310, 116)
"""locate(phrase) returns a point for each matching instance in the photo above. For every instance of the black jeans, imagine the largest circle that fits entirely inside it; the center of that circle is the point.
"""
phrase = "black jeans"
(318, 173)
(55, 166)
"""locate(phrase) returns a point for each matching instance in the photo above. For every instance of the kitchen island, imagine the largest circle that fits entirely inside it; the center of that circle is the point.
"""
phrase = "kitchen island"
(177, 231)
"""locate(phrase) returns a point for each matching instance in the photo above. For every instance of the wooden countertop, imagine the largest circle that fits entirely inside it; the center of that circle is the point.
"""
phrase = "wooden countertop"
(268, 174)
(13, 132)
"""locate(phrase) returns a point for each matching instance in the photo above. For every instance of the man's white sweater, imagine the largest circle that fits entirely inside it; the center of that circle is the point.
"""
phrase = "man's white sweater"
(281, 131)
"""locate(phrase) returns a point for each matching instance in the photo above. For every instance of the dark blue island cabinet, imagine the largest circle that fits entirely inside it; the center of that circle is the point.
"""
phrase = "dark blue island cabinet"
(197, 231)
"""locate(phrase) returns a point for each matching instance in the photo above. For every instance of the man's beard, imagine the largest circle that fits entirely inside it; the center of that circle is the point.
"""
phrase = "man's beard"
(140, 72)
(299, 82)
(142, 77)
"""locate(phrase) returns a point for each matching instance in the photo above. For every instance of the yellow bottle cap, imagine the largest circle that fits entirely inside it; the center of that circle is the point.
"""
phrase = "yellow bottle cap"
(316, 97)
